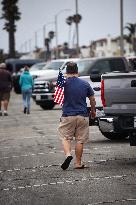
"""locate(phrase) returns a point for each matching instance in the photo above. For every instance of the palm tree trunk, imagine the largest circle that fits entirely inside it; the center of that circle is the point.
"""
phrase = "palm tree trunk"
(11, 42)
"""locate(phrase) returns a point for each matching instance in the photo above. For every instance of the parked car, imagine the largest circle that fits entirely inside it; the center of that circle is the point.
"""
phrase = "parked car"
(52, 67)
(90, 69)
(37, 69)
(15, 66)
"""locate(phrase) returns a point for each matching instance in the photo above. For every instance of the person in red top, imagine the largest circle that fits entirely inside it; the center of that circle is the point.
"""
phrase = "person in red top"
(5, 88)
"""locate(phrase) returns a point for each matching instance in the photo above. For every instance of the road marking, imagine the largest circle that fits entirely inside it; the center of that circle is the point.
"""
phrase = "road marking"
(52, 165)
(44, 184)
(33, 154)
(21, 187)
(39, 136)
(115, 201)
(36, 185)
(63, 182)
(60, 182)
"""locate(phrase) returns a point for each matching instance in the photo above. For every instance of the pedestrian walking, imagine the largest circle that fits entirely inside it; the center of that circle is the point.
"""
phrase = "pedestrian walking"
(5, 88)
(26, 83)
(74, 121)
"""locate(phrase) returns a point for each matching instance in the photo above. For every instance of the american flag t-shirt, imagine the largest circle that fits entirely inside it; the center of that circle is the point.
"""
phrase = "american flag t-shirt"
(59, 89)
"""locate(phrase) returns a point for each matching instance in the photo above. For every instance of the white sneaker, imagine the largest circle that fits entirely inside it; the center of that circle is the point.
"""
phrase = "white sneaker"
(5, 113)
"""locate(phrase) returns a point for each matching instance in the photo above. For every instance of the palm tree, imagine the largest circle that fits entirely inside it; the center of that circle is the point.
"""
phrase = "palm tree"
(11, 14)
(131, 37)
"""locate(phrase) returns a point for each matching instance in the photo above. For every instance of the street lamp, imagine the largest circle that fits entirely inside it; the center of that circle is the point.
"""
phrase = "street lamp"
(56, 28)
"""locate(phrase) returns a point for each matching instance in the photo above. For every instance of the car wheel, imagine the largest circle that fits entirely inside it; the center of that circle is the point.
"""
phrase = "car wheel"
(115, 136)
(107, 129)
(48, 106)
(132, 138)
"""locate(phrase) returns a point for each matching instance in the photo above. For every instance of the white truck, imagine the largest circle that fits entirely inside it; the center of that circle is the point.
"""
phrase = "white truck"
(90, 69)
(118, 95)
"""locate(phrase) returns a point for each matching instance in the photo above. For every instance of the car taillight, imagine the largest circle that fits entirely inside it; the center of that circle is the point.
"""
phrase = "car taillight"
(102, 94)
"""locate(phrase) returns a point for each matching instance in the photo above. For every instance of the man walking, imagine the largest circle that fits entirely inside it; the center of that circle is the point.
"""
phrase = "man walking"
(75, 117)
(5, 88)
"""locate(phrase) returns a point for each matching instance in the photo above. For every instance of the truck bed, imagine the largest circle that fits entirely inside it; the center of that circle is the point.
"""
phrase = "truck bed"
(120, 93)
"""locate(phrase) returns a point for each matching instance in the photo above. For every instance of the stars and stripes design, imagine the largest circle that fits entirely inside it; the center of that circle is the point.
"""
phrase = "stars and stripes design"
(59, 89)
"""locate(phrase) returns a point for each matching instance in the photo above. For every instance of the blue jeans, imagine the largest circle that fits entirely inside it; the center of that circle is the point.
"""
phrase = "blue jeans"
(26, 94)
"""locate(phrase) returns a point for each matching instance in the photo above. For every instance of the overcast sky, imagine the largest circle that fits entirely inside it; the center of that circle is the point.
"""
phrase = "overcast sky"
(99, 18)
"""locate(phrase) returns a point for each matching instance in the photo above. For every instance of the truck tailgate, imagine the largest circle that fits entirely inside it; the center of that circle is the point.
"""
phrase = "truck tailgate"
(120, 93)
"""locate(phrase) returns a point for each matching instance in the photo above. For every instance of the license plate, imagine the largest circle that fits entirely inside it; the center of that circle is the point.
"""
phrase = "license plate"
(38, 97)
(135, 122)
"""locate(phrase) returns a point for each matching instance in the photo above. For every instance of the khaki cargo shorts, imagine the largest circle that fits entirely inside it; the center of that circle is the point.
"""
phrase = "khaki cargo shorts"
(74, 126)
(4, 96)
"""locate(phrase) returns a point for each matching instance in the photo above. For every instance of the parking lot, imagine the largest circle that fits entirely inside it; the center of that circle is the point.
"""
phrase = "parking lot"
(31, 155)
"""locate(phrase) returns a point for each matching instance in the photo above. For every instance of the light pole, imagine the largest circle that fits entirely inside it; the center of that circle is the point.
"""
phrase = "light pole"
(77, 33)
(35, 39)
(56, 28)
(121, 29)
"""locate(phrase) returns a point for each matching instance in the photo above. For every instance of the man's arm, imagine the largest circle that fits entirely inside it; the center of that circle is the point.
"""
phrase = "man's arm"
(92, 104)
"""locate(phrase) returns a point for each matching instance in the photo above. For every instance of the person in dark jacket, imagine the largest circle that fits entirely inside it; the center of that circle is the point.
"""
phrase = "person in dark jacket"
(74, 121)
(26, 83)
(5, 88)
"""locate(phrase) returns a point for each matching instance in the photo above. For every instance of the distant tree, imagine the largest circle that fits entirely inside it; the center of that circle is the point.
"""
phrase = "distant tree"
(69, 20)
(47, 41)
(11, 14)
(77, 18)
(51, 35)
(131, 37)
(65, 45)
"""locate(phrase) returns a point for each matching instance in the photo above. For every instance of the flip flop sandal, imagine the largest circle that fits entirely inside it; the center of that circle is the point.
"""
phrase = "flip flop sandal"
(82, 167)
(66, 163)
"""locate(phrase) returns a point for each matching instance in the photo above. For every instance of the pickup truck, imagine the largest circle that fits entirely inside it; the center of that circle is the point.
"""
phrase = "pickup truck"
(90, 69)
(118, 95)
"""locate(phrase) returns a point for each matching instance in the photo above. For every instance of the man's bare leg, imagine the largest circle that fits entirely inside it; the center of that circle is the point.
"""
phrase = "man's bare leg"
(5, 105)
(67, 147)
(67, 151)
(78, 153)
(0, 109)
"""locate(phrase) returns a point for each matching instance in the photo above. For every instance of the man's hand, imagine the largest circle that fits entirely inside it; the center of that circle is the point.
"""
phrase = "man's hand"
(92, 103)
(93, 114)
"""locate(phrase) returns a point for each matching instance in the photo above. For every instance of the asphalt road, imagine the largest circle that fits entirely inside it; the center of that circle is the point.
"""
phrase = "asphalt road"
(31, 155)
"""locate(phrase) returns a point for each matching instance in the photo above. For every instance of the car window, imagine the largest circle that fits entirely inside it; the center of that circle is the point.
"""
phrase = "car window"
(102, 66)
(132, 63)
(83, 66)
(117, 65)
(37, 67)
(54, 65)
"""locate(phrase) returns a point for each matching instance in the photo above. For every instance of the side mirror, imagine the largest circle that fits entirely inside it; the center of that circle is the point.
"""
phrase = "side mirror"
(95, 76)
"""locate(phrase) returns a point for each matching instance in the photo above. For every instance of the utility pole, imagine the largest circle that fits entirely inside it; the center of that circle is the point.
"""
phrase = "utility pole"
(77, 32)
(121, 29)
(44, 34)
(36, 40)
